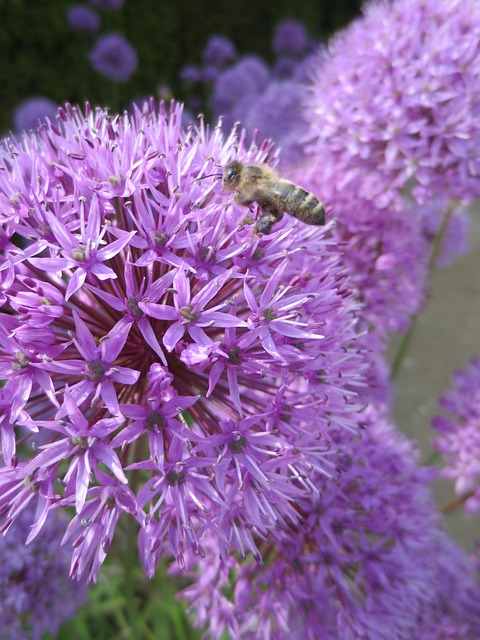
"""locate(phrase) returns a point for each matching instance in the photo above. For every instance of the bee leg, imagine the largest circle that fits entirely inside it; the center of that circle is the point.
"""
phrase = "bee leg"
(269, 216)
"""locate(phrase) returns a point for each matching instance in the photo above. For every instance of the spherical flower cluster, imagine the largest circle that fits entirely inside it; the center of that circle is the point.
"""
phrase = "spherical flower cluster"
(31, 112)
(290, 38)
(218, 51)
(83, 19)
(246, 78)
(114, 57)
(35, 592)
(369, 561)
(176, 367)
(458, 437)
(394, 125)
(260, 98)
(403, 112)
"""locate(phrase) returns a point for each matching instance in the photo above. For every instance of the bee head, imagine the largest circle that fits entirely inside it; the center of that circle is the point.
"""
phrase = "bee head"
(231, 176)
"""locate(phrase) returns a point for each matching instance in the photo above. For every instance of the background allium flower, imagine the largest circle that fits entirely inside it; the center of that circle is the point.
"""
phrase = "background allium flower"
(114, 57)
(179, 369)
(394, 124)
(370, 560)
(405, 109)
(290, 38)
(247, 77)
(459, 432)
(36, 595)
(277, 114)
(83, 19)
(31, 112)
(218, 51)
(190, 74)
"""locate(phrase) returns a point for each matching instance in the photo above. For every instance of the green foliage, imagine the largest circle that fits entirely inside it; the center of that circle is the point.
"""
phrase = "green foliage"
(151, 612)
(41, 55)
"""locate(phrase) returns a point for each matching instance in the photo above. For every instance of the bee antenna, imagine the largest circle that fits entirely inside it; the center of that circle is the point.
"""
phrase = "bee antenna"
(210, 175)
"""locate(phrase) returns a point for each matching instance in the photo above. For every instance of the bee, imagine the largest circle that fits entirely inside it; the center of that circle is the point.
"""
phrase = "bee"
(274, 195)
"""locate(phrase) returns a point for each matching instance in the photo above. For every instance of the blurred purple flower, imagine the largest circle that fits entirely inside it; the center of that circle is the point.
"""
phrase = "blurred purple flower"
(31, 112)
(83, 19)
(107, 5)
(393, 123)
(290, 38)
(403, 114)
(247, 77)
(36, 595)
(458, 437)
(370, 560)
(141, 307)
(114, 57)
(284, 67)
(218, 51)
(190, 74)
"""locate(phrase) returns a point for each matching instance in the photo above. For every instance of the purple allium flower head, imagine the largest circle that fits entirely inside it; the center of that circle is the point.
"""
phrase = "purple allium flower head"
(397, 100)
(107, 5)
(285, 67)
(83, 19)
(370, 560)
(114, 57)
(218, 51)
(31, 112)
(277, 114)
(247, 77)
(458, 431)
(178, 368)
(35, 593)
(290, 38)
(394, 123)
(190, 74)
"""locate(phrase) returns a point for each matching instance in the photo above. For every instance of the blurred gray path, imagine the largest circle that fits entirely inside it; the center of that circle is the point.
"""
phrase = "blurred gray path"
(446, 337)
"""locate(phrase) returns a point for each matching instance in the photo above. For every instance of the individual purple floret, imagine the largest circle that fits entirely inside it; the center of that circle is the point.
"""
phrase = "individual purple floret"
(114, 57)
(176, 367)
(31, 112)
(458, 431)
(369, 561)
(83, 19)
(218, 51)
(290, 38)
(35, 593)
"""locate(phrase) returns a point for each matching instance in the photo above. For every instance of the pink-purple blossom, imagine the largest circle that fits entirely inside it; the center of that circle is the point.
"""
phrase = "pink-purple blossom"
(114, 57)
(36, 595)
(369, 561)
(458, 433)
(31, 112)
(170, 364)
(393, 113)
(83, 19)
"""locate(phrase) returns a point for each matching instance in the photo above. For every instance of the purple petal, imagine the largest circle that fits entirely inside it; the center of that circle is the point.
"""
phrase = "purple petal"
(75, 282)
(114, 342)
(172, 335)
(84, 341)
(109, 458)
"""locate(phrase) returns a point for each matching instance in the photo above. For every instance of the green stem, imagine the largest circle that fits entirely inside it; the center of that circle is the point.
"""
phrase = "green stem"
(407, 337)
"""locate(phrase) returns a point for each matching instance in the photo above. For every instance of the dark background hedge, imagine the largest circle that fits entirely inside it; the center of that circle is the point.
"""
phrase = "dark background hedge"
(40, 55)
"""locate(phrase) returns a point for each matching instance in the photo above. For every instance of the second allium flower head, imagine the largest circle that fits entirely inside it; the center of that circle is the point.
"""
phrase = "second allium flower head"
(171, 365)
